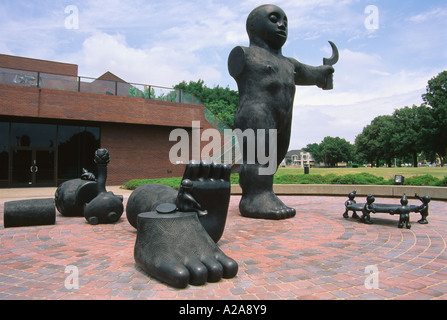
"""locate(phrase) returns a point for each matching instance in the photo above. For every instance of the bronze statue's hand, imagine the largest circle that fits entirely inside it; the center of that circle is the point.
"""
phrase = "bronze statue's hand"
(328, 72)
(326, 77)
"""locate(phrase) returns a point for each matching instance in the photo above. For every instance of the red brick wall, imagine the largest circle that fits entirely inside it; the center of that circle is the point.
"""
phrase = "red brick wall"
(138, 152)
(13, 62)
(18, 101)
(58, 104)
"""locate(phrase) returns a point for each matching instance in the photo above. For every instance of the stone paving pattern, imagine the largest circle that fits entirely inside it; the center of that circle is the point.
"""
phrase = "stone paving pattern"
(318, 255)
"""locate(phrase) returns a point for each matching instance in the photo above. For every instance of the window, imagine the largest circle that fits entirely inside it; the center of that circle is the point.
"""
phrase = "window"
(4, 148)
(75, 146)
(33, 135)
(68, 152)
(76, 149)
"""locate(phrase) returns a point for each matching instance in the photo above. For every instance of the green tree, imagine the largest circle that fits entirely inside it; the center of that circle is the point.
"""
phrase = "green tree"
(334, 150)
(409, 131)
(221, 101)
(434, 121)
(331, 151)
(375, 143)
(135, 92)
(364, 148)
(315, 150)
(406, 138)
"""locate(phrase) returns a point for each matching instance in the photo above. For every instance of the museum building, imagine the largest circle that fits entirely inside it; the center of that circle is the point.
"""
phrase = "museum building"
(52, 121)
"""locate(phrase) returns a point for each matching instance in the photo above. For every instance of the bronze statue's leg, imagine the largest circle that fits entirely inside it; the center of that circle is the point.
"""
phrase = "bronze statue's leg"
(366, 218)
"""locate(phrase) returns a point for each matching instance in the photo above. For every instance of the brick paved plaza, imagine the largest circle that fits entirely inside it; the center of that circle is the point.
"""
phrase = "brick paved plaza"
(318, 255)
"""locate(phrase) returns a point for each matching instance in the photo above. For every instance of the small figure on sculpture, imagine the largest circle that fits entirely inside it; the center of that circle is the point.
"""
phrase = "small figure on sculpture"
(185, 201)
(423, 208)
(404, 213)
(351, 202)
(266, 81)
(88, 176)
(367, 209)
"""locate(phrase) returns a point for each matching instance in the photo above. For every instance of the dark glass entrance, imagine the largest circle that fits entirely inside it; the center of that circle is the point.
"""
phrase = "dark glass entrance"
(45, 154)
(33, 167)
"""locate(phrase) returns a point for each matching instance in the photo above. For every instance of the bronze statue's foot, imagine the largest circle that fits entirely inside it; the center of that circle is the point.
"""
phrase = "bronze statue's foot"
(265, 205)
(176, 249)
(212, 190)
(366, 220)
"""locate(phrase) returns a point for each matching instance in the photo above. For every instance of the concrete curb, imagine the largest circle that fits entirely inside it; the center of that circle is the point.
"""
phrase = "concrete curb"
(436, 193)
(11, 194)
(394, 191)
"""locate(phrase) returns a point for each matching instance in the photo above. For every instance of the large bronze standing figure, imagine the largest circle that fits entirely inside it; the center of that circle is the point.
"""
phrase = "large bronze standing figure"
(266, 81)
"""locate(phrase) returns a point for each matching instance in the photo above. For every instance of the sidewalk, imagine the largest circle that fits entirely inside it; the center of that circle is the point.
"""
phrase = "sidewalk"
(13, 194)
(318, 255)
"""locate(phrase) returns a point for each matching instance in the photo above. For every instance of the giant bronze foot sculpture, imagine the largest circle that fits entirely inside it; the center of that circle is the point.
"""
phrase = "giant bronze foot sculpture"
(174, 248)
(208, 184)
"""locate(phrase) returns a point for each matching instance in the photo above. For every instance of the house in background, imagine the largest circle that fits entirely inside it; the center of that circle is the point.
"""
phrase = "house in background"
(299, 158)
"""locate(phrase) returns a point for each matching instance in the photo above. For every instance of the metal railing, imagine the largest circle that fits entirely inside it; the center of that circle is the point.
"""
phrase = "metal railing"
(92, 85)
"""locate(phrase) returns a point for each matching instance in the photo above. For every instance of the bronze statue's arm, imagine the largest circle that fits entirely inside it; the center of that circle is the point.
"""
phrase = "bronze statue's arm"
(236, 61)
(306, 75)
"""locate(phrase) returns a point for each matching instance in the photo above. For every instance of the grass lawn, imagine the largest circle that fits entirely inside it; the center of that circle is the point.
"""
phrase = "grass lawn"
(428, 176)
(386, 173)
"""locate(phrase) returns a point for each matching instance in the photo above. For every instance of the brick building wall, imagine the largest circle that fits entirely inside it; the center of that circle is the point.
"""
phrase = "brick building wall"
(14, 62)
(134, 130)
(58, 104)
(138, 152)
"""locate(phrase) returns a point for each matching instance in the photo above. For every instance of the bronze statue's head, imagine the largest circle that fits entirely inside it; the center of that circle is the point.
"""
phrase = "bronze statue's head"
(404, 200)
(267, 24)
(102, 157)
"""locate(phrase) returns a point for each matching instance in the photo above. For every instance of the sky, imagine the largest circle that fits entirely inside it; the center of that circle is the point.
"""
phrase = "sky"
(389, 49)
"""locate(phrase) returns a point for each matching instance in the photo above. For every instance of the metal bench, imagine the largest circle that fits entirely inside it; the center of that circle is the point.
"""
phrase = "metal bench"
(403, 209)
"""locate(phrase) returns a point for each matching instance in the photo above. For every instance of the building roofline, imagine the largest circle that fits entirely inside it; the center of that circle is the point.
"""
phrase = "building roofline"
(45, 66)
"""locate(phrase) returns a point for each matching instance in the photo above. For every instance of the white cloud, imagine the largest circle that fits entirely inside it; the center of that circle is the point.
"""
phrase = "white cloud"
(311, 123)
(160, 66)
(157, 43)
(361, 77)
(436, 13)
